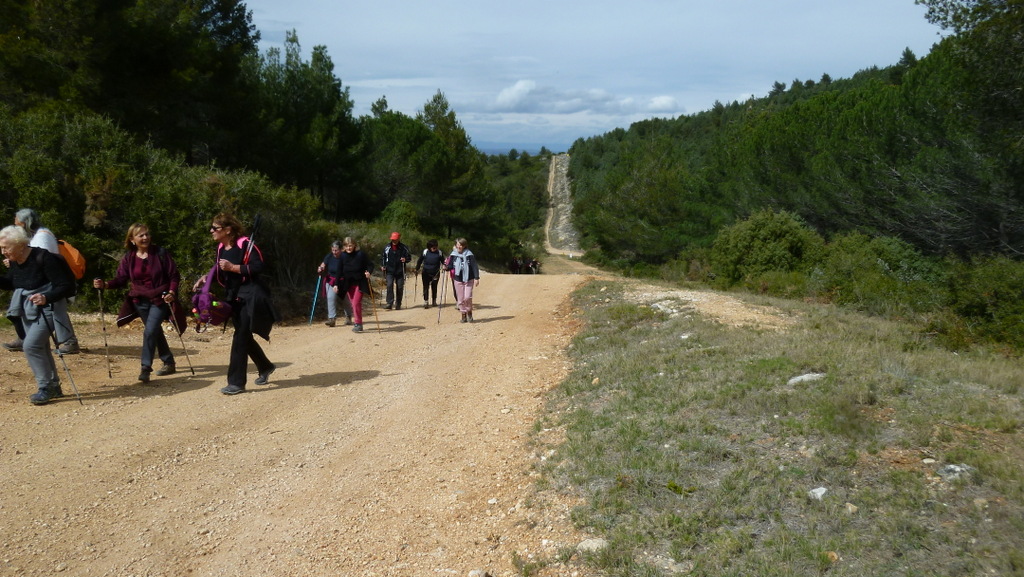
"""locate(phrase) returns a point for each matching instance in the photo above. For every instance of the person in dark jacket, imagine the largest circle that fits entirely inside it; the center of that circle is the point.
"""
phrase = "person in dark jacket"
(430, 263)
(238, 268)
(44, 278)
(331, 269)
(153, 278)
(355, 279)
(465, 277)
(42, 237)
(392, 263)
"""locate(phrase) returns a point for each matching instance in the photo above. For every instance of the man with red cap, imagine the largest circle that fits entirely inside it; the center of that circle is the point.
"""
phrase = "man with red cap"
(393, 261)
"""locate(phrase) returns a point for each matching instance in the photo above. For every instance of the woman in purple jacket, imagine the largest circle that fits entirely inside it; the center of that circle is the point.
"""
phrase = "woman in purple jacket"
(153, 278)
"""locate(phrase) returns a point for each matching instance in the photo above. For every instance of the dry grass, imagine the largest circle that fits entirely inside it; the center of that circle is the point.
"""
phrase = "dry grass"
(696, 453)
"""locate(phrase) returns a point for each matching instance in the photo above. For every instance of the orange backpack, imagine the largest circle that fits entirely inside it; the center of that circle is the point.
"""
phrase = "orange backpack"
(73, 257)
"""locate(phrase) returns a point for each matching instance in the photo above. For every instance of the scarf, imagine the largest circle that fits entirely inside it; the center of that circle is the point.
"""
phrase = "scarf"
(460, 264)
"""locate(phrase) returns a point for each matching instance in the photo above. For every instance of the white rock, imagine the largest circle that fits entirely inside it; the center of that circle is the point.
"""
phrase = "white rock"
(808, 378)
(592, 545)
(818, 493)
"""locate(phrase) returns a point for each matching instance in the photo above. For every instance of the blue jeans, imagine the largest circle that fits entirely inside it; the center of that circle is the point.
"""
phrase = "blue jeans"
(153, 339)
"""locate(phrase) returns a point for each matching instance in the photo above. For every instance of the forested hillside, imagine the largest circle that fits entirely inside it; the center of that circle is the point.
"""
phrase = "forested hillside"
(165, 112)
(912, 175)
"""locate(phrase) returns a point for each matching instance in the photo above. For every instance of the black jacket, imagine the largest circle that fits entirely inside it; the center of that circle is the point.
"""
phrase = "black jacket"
(431, 262)
(391, 258)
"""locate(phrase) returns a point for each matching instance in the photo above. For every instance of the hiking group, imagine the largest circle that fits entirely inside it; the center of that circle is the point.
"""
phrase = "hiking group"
(41, 282)
(346, 270)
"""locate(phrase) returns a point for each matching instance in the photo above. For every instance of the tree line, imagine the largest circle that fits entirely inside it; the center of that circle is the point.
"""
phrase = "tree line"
(166, 111)
(913, 171)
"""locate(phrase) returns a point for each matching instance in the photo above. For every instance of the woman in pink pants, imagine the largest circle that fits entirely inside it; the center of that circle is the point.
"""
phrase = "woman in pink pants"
(466, 275)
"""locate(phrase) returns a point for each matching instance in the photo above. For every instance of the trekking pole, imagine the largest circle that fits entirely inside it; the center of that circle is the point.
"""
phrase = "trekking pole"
(316, 293)
(53, 335)
(415, 278)
(373, 301)
(174, 326)
(103, 324)
(252, 236)
(444, 285)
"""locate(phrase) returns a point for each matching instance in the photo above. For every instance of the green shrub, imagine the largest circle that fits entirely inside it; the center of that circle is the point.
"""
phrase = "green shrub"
(880, 275)
(90, 181)
(989, 293)
(765, 242)
(785, 284)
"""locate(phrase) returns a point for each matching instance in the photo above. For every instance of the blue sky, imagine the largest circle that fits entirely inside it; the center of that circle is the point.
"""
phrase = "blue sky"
(529, 73)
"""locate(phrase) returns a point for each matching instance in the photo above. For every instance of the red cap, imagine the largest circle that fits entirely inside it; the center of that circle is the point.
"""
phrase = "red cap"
(395, 236)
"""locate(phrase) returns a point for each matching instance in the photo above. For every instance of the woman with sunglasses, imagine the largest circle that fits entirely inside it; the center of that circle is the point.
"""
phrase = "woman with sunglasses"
(238, 269)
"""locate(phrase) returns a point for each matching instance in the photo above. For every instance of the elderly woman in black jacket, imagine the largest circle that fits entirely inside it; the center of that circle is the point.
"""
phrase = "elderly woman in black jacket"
(44, 278)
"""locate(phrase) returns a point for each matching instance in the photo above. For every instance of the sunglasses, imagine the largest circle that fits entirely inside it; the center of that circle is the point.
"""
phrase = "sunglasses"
(215, 228)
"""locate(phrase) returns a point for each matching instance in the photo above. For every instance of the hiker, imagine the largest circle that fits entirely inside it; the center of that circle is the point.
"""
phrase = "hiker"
(354, 279)
(392, 263)
(42, 237)
(152, 278)
(430, 263)
(38, 278)
(331, 267)
(466, 277)
(237, 269)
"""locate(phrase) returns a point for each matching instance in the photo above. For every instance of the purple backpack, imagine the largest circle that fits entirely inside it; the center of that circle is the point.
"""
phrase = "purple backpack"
(206, 309)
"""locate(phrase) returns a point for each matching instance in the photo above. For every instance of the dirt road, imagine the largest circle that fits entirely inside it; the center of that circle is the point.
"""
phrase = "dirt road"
(398, 452)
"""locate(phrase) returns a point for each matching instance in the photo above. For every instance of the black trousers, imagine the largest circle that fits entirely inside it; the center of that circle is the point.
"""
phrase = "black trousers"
(430, 281)
(244, 347)
(396, 288)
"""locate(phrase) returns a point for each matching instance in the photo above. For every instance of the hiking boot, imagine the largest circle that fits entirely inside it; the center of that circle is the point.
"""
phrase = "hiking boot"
(41, 397)
(166, 370)
(15, 345)
(69, 347)
(54, 390)
(348, 320)
(329, 322)
(387, 307)
(357, 328)
(464, 319)
(144, 374)
(433, 304)
(232, 390)
(398, 307)
(426, 305)
(469, 316)
(264, 377)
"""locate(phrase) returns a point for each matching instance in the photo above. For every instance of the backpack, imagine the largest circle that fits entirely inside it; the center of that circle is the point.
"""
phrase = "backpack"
(206, 309)
(42, 255)
(74, 258)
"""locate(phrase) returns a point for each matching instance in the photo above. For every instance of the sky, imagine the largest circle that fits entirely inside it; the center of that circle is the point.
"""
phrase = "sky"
(524, 74)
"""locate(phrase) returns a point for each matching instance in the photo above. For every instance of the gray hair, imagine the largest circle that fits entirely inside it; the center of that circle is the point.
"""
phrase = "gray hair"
(14, 235)
(29, 219)
(336, 244)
